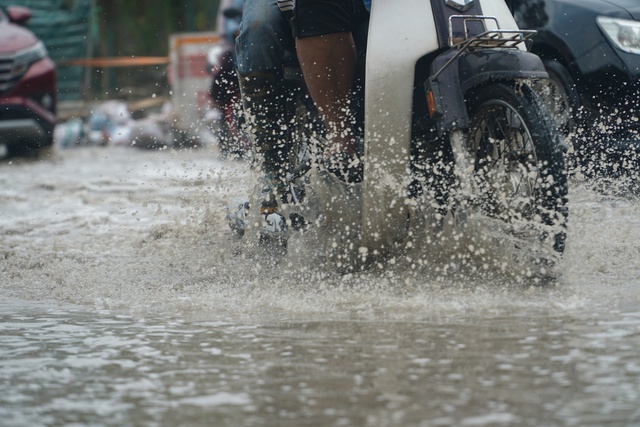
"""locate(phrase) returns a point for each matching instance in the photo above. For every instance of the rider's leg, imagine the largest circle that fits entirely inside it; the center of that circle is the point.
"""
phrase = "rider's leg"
(328, 64)
(260, 48)
(328, 57)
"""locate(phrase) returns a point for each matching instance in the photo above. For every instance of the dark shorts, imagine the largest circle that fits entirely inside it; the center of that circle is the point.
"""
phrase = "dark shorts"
(319, 17)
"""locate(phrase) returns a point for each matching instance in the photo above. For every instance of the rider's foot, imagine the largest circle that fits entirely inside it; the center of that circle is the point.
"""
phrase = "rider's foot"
(272, 226)
(273, 230)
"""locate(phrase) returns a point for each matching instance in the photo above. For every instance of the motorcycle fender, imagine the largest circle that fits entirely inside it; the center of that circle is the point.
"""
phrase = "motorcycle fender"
(445, 93)
(481, 66)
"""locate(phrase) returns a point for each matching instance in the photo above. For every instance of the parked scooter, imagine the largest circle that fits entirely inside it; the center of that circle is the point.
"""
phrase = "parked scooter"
(454, 135)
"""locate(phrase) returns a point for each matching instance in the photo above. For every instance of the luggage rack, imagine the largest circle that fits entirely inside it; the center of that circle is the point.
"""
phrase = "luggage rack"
(488, 38)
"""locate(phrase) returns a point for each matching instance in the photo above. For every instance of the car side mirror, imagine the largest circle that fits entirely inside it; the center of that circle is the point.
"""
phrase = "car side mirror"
(18, 14)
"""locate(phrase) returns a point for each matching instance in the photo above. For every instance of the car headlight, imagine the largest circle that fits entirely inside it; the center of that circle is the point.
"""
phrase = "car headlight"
(25, 57)
(624, 34)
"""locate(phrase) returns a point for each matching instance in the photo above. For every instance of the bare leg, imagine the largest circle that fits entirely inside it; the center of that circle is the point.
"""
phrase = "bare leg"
(328, 64)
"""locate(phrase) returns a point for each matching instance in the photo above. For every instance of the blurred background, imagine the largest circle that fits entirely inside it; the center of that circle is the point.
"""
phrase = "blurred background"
(114, 49)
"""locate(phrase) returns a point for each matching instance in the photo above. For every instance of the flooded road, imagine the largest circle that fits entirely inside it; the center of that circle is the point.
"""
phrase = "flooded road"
(125, 300)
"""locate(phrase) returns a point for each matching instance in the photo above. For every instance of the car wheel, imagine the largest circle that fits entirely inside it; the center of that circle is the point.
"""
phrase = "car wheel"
(561, 97)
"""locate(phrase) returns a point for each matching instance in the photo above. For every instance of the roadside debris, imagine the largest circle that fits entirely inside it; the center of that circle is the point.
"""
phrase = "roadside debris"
(112, 123)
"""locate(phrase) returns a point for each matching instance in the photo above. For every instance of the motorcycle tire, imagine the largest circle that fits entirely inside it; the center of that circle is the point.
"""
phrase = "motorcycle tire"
(519, 171)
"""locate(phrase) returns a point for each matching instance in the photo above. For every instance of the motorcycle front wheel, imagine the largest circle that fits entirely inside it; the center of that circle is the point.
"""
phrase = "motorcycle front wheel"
(517, 172)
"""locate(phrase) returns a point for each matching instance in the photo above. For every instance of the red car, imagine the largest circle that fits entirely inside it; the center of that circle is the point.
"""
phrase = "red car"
(27, 87)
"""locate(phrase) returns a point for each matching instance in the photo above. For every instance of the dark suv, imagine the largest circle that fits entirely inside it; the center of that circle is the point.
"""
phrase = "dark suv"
(591, 49)
(27, 87)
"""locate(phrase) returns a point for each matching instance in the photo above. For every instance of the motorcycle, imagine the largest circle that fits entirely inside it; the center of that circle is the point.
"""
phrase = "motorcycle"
(455, 140)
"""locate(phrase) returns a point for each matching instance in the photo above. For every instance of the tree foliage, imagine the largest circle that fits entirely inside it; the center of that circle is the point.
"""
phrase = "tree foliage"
(142, 27)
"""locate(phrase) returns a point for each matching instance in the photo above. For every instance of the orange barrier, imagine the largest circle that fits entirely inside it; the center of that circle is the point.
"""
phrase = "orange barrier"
(119, 61)
(196, 39)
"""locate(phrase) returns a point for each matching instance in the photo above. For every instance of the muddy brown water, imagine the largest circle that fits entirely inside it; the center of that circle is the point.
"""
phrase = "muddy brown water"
(126, 301)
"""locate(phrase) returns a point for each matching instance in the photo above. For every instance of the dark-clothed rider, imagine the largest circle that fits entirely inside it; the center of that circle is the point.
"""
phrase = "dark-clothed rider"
(327, 54)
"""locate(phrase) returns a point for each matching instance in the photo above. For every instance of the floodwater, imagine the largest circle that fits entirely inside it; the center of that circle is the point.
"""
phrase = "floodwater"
(125, 300)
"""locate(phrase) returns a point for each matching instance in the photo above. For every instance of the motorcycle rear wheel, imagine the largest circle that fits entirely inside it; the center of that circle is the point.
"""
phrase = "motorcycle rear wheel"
(518, 171)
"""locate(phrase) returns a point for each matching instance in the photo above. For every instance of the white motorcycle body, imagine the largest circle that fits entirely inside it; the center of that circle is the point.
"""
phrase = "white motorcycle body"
(370, 219)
